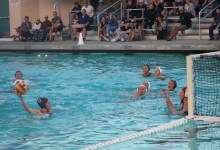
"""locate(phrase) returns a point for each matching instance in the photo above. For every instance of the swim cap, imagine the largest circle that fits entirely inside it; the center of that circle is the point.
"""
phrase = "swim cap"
(160, 69)
(42, 102)
(184, 89)
(148, 85)
(142, 86)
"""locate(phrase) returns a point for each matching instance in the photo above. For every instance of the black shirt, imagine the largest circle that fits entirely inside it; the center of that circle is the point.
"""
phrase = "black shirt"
(185, 19)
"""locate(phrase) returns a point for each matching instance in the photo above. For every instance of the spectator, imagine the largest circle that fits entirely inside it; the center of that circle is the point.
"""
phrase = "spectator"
(160, 26)
(25, 29)
(170, 11)
(199, 5)
(158, 5)
(214, 25)
(112, 25)
(130, 13)
(57, 25)
(150, 16)
(102, 27)
(83, 24)
(36, 29)
(139, 14)
(77, 7)
(89, 10)
(185, 21)
(101, 7)
(124, 33)
(136, 32)
(189, 7)
(45, 27)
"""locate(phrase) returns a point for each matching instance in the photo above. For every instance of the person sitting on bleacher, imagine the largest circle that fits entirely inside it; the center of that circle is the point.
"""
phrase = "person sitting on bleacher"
(189, 7)
(89, 10)
(36, 30)
(45, 27)
(185, 23)
(170, 11)
(83, 24)
(124, 33)
(139, 14)
(77, 7)
(57, 25)
(101, 7)
(112, 25)
(150, 16)
(160, 26)
(136, 31)
(214, 25)
(158, 5)
(102, 28)
(131, 13)
(25, 28)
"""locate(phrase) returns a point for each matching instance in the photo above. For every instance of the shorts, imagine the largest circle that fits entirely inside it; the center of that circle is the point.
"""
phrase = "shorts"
(183, 27)
(58, 29)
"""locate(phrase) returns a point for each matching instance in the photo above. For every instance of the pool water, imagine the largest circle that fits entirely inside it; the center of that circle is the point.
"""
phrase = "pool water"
(90, 96)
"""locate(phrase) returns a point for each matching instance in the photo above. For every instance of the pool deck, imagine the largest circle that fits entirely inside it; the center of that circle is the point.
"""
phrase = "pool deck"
(161, 46)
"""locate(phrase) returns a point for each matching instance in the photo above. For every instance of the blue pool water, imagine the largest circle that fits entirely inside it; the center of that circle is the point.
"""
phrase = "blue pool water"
(90, 97)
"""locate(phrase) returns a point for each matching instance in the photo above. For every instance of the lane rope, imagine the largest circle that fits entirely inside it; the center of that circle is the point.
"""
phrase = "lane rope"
(139, 134)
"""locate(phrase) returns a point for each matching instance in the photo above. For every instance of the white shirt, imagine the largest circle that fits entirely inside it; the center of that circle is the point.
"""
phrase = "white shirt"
(89, 10)
(37, 26)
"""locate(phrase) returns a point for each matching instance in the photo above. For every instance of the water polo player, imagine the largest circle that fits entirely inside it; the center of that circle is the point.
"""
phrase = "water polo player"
(146, 71)
(170, 87)
(141, 90)
(183, 95)
(44, 103)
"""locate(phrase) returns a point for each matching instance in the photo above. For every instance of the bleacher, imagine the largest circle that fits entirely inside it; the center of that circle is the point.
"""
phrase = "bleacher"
(190, 34)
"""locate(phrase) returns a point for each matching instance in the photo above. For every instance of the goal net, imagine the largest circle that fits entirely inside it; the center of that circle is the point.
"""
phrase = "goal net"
(203, 81)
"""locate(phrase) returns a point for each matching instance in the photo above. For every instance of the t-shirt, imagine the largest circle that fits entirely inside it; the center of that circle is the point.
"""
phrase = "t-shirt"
(83, 20)
(26, 25)
(89, 10)
(185, 19)
(55, 19)
(46, 24)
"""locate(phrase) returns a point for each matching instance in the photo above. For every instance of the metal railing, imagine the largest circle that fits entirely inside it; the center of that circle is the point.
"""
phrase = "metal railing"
(166, 16)
(128, 11)
(201, 12)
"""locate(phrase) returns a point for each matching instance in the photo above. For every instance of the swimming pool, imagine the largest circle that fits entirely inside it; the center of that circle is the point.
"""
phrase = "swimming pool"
(90, 97)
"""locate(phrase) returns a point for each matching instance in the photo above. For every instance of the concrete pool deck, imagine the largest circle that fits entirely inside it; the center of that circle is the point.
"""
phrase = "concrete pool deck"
(162, 46)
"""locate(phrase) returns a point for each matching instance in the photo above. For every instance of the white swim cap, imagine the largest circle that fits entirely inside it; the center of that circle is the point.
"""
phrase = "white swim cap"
(148, 85)
(142, 86)
(186, 93)
(160, 69)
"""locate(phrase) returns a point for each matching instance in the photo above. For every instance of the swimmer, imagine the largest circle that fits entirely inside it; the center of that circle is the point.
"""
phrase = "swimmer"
(18, 75)
(141, 90)
(44, 104)
(146, 71)
(158, 73)
(183, 95)
(170, 87)
(19, 78)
